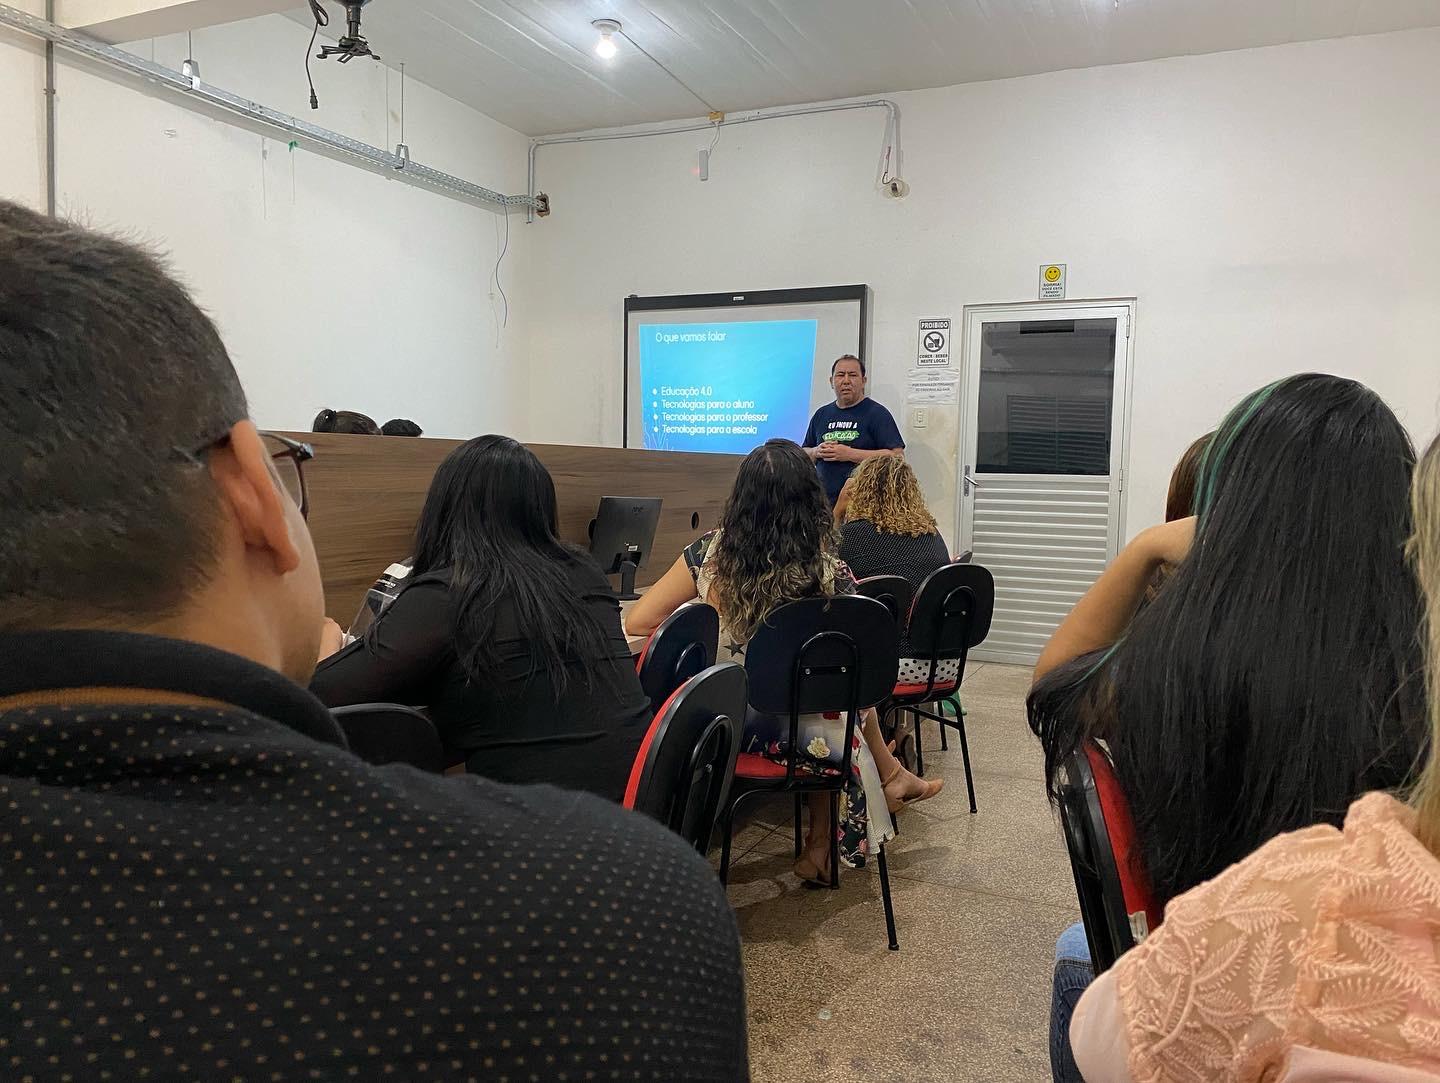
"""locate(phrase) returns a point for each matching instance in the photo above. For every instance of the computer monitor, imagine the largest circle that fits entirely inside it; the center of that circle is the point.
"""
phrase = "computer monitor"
(621, 536)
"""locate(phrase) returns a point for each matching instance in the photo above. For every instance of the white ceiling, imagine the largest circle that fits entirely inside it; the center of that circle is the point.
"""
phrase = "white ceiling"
(530, 64)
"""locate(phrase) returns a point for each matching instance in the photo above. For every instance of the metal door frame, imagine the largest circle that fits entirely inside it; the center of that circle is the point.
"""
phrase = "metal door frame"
(1024, 312)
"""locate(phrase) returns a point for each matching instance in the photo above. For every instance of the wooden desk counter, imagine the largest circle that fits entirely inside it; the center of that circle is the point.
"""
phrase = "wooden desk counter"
(366, 493)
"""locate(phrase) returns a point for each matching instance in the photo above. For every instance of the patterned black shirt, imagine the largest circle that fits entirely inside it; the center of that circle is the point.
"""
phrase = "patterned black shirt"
(200, 881)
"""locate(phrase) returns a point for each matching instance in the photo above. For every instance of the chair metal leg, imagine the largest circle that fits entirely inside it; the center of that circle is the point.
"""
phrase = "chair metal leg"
(834, 840)
(885, 898)
(944, 744)
(920, 743)
(965, 754)
(798, 805)
(727, 825)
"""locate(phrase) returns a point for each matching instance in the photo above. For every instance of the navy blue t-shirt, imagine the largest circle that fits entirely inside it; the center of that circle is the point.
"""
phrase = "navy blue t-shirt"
(867, 426)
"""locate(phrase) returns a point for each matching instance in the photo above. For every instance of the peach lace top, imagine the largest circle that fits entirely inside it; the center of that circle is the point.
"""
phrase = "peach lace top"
(1317, 957)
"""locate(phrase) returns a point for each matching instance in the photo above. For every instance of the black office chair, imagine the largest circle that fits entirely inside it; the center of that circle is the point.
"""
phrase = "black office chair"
(950, 615)
(683, 645)
(1116, 903)
(815, 656)
(894, 592)
(683, 770)
(382, 733)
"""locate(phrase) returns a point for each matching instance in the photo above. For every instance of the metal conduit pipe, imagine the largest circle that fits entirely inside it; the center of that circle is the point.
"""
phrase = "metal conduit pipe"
(892, 129)
(404, 169)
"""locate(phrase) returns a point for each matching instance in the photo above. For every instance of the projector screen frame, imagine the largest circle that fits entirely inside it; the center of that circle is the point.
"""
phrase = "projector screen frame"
(736, 299)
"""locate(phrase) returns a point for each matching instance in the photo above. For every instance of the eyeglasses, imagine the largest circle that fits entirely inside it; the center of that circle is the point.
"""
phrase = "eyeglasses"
(286, 455)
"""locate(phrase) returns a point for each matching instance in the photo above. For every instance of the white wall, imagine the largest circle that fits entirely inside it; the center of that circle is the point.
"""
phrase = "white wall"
(22, 117)
(1273, 210)
(332, 286)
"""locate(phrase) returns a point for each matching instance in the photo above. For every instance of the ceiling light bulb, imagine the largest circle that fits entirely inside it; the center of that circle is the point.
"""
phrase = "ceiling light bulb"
(605, 47)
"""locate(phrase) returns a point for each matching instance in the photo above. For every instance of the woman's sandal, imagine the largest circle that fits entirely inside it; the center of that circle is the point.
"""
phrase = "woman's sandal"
(895, 804)
(810, 873)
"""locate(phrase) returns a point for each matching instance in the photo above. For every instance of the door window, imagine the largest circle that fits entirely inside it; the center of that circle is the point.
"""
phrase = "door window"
(1045, 397)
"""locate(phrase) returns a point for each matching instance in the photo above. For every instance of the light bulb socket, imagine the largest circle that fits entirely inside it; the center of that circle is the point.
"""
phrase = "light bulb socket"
(605, 47)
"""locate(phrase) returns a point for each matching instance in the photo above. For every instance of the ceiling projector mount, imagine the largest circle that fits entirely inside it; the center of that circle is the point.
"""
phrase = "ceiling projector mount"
(352, 42)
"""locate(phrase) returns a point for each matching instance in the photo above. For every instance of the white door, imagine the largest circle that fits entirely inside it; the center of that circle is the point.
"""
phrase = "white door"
(1042, 450)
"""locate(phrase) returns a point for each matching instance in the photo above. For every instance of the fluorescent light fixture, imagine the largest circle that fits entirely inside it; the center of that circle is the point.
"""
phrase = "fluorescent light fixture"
(605, 47)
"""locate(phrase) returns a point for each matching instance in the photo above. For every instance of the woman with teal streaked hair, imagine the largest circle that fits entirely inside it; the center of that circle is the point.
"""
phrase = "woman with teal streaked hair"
(1278, 674)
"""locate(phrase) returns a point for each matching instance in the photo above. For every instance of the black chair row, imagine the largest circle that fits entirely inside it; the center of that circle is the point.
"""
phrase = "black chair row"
(816, 656)
(949, 615)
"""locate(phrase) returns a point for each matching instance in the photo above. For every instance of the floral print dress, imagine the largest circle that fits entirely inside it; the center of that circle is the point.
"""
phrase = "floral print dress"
(821, 735)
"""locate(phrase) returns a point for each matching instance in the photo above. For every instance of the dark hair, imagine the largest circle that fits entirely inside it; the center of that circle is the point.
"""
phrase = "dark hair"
(1277, 675)
(1180, 499)
(847, 357)
(111, 379)
(345, 421)
(490, 520)
(401, 427)
(778, 540)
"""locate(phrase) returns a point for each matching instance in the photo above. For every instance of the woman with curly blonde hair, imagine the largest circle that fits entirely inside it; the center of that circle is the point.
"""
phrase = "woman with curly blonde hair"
(888, 530)
(777, 543)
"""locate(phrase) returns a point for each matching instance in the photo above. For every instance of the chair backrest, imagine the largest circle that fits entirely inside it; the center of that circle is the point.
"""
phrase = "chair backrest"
(684, 767)
(1141, 906)
(952, 611)
(382, 733)
(683, 645)
(1116, 904)
(894, 592)
(819, 656)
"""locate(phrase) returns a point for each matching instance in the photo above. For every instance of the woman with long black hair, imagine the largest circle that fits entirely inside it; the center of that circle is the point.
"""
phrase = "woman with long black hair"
(778, 543)
(507, 636)
(1277, 675)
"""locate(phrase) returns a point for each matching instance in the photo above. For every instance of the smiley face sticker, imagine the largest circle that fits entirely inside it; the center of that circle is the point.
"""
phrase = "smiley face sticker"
(1052, 281)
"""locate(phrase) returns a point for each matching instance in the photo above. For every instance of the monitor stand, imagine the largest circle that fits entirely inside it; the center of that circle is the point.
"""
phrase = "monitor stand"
(628, 568)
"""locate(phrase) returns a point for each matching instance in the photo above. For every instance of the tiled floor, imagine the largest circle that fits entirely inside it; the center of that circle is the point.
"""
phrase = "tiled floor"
(978, 899)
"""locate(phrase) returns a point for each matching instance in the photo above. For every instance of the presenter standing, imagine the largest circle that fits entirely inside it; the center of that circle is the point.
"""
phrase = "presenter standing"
(850, 430)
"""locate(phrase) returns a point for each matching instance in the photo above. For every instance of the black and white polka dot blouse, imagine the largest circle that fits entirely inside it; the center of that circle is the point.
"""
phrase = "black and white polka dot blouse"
(198, 881)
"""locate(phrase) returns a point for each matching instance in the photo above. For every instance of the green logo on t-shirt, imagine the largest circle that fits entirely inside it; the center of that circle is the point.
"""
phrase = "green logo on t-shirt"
(843, 436)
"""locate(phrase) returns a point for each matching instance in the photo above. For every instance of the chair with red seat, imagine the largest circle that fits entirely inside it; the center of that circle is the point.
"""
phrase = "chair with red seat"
(951, 614)
(684, 766)
(815, 656)
(1116, 904)
(683, 645)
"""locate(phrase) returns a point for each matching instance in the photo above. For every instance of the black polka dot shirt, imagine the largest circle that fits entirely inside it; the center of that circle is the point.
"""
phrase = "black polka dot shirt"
(197, 880)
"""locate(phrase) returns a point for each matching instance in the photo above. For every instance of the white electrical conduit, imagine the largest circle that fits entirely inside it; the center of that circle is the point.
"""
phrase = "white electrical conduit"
(888, 169)
(404, 169)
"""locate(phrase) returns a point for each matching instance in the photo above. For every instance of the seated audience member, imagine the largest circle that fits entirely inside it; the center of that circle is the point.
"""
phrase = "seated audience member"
(888, 530)
(1180, 500)
(776, 544)
(1180, 497)
(1314, 958)
(345, 421)
(1274, 677)
(200, 880)
(401, 427)
(507, 636)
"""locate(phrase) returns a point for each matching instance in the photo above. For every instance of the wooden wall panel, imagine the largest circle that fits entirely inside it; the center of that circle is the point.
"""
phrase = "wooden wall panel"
(366, 493)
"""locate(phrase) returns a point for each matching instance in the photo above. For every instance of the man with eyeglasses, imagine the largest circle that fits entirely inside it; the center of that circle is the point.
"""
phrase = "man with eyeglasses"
(199, 879)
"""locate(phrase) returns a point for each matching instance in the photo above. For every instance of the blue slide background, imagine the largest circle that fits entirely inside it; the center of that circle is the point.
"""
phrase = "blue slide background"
(768, 361)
